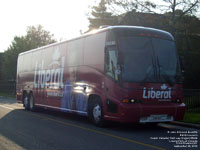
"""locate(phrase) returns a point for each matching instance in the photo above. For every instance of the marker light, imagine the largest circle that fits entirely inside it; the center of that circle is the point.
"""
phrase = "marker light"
(130, 101)
(177, 101)
(125, 101)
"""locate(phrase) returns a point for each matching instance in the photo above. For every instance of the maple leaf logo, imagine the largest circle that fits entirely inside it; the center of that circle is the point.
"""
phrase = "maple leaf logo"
(163, 87)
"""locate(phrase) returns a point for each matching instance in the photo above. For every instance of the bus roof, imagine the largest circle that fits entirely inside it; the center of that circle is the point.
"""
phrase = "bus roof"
(138, 30)
(143, 31)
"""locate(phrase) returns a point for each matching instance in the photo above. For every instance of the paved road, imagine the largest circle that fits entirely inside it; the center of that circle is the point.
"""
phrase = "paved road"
(50, 130)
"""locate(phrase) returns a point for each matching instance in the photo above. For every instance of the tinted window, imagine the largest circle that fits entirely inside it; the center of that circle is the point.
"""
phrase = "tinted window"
(148, 59)
(137, 58)
(111, 62)
(166, 56)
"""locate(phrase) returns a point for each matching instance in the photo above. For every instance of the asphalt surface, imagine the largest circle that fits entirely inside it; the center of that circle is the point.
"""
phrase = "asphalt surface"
(52, 130)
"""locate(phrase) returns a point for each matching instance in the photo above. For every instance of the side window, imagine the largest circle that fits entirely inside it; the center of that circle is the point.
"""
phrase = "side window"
(111, 63)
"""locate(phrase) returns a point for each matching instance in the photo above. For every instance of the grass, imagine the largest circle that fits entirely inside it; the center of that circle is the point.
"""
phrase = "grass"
(7, 95)
(192, 114)
(192, 118)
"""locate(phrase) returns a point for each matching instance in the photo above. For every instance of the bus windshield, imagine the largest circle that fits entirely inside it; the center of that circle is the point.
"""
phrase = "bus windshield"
(148, 59)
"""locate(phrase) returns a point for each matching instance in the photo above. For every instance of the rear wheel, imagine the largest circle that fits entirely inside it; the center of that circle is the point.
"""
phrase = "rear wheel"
(96, 112)
(31, 102)
(153, 123)
(26, 102)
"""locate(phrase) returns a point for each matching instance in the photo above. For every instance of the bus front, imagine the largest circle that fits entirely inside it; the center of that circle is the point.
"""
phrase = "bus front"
(144, 65)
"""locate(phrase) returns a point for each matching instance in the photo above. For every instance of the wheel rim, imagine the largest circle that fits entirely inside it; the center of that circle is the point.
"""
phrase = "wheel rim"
(97, 113)
(31, 102)
(26, 101)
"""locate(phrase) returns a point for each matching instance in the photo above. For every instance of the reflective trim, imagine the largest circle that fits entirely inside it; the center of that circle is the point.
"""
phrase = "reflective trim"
(110, 117)
(69, 110)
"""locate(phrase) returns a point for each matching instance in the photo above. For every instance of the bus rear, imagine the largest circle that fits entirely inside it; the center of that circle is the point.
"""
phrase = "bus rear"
(143, 76)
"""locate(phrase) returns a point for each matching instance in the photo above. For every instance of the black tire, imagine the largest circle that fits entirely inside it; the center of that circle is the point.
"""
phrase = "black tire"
(26, 101)
(96, 112)
(153, 123)
(31, 102)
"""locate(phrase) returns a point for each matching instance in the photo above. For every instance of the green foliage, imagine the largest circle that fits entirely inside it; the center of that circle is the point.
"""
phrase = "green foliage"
(192, 103)
(10, 95)
(100, 16)
(189, 47)
(35, 37)
(173, 11)
(18, 45)
(7, 88)
(192, 118)
(1, 62)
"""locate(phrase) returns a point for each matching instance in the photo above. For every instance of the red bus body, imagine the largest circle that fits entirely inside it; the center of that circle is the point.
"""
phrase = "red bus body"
(66, 76)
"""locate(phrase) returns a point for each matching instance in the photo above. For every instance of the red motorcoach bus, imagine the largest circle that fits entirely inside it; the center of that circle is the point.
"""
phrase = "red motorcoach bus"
(118, 73)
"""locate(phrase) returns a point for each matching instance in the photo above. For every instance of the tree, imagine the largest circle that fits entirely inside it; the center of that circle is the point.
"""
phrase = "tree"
(100, 16)
(1, 58)
(169, 7)
(35, 37)
(187, 6)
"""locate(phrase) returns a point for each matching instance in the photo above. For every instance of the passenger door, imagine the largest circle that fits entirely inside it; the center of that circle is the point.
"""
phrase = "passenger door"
(112, 88)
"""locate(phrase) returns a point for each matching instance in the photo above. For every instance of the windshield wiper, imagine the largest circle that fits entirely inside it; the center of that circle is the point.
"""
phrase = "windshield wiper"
(166, 77)
(158, 67)
(151, 70)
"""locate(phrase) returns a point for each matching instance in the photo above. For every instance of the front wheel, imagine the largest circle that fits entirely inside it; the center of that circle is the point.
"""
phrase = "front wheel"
(96, 113)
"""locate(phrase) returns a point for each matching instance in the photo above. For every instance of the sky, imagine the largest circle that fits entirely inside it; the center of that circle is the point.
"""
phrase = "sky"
(63, 18)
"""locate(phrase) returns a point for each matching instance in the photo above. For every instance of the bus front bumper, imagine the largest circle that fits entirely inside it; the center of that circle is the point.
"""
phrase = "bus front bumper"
(142, 113)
